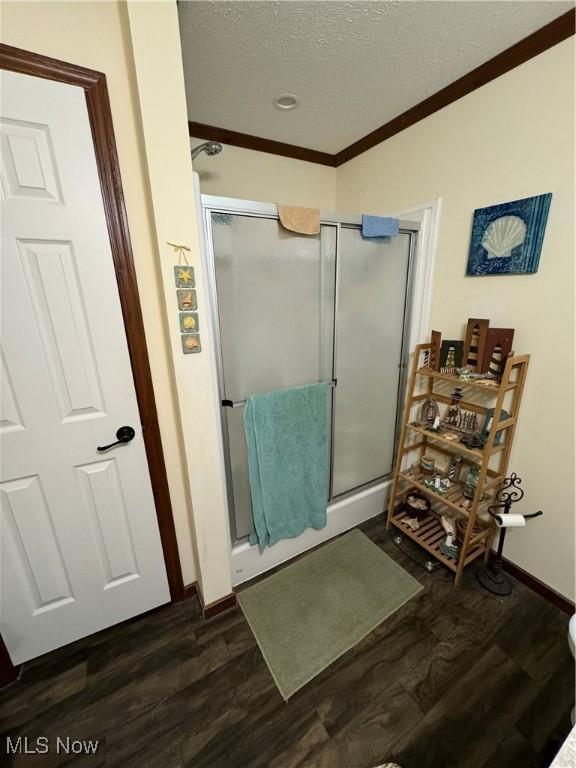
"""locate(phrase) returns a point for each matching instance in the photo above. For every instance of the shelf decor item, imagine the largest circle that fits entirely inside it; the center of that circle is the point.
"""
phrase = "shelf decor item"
(434, 350)
(507, 238)
(438, 484)
(454, 468)
(469, 421)
(448, 546)
(427, 465)
(416, 504)
(474, 440)
(474, 343)
(453, 417)
(451, 356)
(498, 347)
(462, 495)
(429, 412)
(471, 483)
(488, 425)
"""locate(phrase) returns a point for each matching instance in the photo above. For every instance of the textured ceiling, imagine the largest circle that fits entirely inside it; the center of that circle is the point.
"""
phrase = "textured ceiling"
(353, 65)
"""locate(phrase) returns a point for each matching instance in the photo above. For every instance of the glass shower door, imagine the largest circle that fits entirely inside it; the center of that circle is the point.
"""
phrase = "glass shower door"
(275, 294)
(373, 277)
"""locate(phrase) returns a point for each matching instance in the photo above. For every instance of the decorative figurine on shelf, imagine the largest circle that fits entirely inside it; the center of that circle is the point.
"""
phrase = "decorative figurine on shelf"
(435, 426)
(450, 361)
(427, 465)
(429, 411)
(491, 576)
(451, 356)
(488, 425)
(453, 417)
(435, 342)
(448, 546)
(466, 374)
(471, 482)
(417, 507)
(476, 331)
(474, 440)
(454, 468)
(438, 484)
(469, 421)
(451, 436)
(498, 347)
(457, 395)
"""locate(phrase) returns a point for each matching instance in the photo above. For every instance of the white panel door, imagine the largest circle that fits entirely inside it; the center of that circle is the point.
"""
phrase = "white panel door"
(79, 542)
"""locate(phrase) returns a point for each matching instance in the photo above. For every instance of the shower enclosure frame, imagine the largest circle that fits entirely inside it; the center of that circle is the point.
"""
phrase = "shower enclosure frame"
(215, 204)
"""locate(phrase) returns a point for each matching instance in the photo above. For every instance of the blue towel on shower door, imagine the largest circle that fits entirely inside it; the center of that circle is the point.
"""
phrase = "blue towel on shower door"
(288, 461)
(379, 226)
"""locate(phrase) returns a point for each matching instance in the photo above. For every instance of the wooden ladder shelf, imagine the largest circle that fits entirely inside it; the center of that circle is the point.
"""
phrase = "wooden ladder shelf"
(477, 526)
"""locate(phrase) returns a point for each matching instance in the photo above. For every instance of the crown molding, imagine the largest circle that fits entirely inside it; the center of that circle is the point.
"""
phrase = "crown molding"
(246, 141)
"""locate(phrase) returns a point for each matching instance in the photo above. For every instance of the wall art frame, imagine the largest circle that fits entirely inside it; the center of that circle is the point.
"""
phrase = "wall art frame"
(507, 238)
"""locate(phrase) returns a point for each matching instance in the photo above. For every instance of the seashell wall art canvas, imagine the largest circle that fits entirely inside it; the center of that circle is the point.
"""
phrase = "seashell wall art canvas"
(507, 238)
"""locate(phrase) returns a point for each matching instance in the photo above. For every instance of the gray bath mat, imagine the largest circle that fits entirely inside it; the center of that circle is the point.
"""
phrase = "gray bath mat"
(311, 612)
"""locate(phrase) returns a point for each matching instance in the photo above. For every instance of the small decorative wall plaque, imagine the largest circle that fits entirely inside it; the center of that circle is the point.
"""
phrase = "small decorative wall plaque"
(507, 238)
(189, 322)
(191, 343)
(186, 299)
(184, 276)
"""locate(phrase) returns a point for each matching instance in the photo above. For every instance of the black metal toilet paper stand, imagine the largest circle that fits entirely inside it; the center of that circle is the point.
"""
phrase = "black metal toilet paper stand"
(491, 576)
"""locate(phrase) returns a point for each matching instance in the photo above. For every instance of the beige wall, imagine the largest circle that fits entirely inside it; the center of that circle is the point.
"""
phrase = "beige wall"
(158, 64)
(251, 175)
(510, 139)
(95, 35)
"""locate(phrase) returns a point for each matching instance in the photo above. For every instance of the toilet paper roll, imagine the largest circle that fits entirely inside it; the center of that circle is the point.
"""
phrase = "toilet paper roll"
(510, 521)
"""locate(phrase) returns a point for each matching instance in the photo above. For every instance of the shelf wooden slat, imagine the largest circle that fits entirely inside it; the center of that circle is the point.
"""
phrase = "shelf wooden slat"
(431, 534)
(451, 499)
(452, 378)
(456, 445)
(445, 452)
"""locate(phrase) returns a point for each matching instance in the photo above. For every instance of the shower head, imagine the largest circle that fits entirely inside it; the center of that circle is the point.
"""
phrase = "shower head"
(210, 147)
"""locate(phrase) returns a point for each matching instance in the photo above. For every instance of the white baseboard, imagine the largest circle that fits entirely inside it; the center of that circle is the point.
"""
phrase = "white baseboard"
(247, 561)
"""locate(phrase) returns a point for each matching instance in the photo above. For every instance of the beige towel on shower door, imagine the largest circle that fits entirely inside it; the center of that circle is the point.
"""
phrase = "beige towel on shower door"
(305, 221)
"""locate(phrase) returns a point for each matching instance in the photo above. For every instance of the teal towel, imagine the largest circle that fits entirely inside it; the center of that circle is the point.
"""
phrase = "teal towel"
(288, 461)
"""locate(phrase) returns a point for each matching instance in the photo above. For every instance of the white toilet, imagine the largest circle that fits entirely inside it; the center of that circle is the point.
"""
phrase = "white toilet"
(572, 644)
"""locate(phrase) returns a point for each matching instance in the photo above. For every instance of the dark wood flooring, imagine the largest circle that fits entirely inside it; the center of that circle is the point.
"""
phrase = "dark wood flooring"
(457, 678)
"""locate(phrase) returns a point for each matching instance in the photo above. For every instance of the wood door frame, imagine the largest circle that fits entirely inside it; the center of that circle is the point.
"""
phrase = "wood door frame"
(98, 104)
(8, 672)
